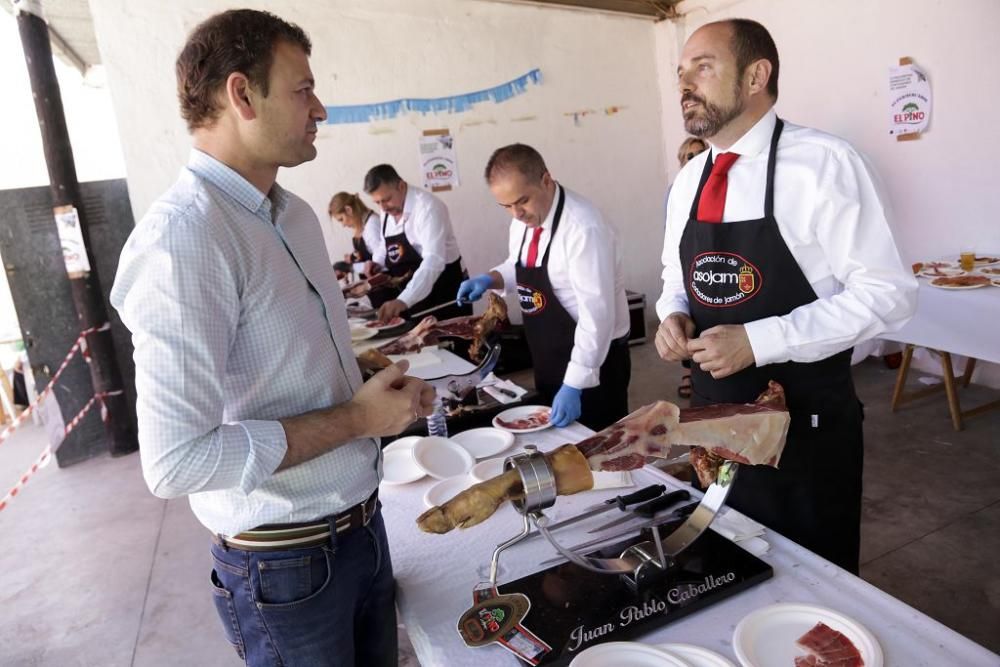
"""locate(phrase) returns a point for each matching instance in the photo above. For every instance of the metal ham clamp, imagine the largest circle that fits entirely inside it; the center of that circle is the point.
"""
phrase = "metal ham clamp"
(638, 564)
(458, 386)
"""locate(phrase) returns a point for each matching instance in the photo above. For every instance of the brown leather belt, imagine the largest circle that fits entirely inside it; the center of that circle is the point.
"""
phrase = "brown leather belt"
(283, 536)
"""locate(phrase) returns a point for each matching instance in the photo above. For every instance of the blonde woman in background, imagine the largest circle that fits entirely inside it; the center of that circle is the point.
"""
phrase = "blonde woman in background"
(350, 212)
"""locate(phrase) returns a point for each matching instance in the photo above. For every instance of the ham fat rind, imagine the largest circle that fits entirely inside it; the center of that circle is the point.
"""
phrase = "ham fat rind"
(748, 433)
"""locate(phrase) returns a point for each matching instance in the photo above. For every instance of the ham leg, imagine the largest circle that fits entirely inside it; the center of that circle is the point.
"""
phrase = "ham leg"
(752, 433)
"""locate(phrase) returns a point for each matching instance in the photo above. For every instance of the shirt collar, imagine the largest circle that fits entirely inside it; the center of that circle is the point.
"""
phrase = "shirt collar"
(233, 184)
(756, 140)
(550, 217)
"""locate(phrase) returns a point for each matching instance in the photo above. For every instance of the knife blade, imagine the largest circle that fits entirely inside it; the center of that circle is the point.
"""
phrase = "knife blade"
(648, 510)
(678, 515)
(619, 502)
(434, 309)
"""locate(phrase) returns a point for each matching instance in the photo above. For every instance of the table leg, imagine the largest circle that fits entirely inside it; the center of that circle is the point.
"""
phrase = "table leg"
(970, 366)
(904, 369)
(949, 388)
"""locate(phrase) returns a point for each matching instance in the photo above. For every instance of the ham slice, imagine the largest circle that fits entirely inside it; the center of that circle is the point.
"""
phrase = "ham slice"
(430, 331)
(753, 434)
(828, 648)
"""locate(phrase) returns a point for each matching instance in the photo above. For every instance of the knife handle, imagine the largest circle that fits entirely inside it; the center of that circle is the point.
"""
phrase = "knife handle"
(650, 509)
(639, 496)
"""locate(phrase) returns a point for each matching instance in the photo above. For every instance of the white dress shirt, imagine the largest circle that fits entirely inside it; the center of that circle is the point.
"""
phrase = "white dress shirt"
(371, 233)
(427, 226)
(237, 322)
(583, 259)
(833, 220)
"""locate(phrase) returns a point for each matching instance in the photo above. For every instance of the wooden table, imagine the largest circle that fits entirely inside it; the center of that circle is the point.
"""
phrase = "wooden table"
(948, 322)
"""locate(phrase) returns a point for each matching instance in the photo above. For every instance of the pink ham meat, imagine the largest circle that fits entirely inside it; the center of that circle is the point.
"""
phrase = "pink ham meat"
(827, 648)
(414, 340)
(476, 328)
(752, 433)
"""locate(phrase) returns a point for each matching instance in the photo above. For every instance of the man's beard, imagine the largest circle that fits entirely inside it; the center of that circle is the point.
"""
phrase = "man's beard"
(713, 118)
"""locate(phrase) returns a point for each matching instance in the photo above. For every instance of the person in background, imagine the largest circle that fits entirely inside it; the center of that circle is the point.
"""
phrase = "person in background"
(351, 213)
(417, 240)
(250, 399)
(565, 263)
(688, 149)
(777, 258)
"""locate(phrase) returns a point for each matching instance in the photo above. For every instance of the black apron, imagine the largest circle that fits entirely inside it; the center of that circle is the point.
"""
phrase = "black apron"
(551, 330)
(361, 251)
(402, 258)
(739, 272)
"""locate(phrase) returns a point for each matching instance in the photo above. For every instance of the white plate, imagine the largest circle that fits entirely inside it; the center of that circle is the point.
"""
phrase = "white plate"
(521, 412)
(940, 273)
(441, 458)
(362, 333)
(487, 469)
(697, 656)
(402, 443)
(446, 489)
(398, 467)
(767, 636)
(394, 324)
(626, 654)
(959, 286)
(484, 442)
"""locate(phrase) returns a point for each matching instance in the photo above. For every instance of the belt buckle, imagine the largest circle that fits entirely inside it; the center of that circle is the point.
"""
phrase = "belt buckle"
(366, 514)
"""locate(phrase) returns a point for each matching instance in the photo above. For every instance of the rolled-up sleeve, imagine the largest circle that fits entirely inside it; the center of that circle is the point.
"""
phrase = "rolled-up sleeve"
(176, 293)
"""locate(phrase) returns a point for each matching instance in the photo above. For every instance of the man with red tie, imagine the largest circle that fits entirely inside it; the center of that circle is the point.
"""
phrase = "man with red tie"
(566, 264)
(777, 259)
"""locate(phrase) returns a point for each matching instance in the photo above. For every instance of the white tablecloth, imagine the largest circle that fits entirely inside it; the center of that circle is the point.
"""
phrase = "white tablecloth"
(435, 575)
(957, 321)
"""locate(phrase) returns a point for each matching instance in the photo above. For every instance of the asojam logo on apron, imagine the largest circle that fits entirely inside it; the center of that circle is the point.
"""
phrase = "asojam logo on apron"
(724, 279)
(531, 300)
(395, 252)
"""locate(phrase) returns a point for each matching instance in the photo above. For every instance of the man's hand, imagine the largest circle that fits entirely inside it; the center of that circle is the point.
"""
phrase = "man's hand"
(371, 268)
(391, 401)
(722, 350)
(672, 337)
(391, 309)
(565, 406)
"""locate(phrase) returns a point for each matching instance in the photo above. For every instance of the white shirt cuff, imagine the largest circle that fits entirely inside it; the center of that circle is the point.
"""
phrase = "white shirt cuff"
(267, 448)
(766, 341)
(664, 307)
(580, 376)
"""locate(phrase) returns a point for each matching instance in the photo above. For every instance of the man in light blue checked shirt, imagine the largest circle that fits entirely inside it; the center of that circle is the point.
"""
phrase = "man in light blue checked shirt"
(250, 401)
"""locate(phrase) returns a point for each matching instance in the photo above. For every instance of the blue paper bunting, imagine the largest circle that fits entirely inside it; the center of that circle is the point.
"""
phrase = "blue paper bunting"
(363, 113)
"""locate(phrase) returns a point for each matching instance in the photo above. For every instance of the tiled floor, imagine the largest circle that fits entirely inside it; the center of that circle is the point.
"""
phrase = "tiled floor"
(95, 570)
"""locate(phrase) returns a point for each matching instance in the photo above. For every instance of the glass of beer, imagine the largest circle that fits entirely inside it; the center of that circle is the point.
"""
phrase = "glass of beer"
(967, 258)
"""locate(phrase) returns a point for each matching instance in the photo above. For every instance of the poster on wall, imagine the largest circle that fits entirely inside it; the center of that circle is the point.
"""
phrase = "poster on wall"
(71, 239)
(437, 160)
(909, 100)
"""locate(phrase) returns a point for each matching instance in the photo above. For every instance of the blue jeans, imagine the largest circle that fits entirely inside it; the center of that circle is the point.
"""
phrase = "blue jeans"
(326, 605)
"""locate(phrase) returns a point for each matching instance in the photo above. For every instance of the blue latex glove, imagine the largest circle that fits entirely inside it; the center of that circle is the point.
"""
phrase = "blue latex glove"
(473, 289)
(565, 406)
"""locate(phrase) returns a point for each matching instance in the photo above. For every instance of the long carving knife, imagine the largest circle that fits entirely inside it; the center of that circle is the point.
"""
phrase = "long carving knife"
(649, 509)
(618, 502)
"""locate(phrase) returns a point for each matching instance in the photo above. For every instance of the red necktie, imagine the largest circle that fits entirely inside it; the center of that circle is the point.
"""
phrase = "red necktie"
(533, 248)
(713, 196)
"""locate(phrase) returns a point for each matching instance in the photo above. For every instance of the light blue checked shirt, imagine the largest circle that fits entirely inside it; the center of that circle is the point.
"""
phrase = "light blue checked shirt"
(237, 322)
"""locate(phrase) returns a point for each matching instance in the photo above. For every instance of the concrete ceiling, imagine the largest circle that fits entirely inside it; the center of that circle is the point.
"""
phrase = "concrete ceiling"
(72, 30)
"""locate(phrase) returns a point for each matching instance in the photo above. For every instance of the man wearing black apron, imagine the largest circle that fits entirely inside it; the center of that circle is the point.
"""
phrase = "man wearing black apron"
(761, 287)
(566, 264)
(418, 245)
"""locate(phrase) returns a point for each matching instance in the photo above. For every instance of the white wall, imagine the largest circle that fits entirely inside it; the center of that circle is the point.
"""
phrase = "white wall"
(386, 49)
(834, 61)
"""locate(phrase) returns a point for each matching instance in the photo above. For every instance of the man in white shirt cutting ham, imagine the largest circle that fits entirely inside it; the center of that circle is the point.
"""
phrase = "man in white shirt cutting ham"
(777, 259)
(566, 265)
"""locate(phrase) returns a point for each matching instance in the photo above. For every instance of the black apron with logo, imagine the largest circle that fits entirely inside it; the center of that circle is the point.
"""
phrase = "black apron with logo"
(551, 330)
(402, 258)
(739, 272)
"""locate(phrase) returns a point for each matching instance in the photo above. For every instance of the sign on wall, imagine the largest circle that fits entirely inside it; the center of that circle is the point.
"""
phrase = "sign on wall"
(909, 100)
(437, 160)
(71, 239)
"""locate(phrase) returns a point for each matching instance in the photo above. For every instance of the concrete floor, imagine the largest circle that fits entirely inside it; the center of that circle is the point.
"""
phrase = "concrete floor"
(95, 570)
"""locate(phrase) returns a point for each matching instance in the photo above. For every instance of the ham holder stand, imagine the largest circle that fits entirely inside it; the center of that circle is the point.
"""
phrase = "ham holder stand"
(632, 587)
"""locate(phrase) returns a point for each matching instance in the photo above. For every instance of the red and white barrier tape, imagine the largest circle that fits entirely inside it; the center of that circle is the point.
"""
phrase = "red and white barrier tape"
(80, 343)
(46, 455)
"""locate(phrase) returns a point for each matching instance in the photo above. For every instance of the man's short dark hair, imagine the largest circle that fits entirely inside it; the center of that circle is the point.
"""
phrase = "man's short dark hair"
(519, 157)
(751, 42)
(239, 40)
(380, 174)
